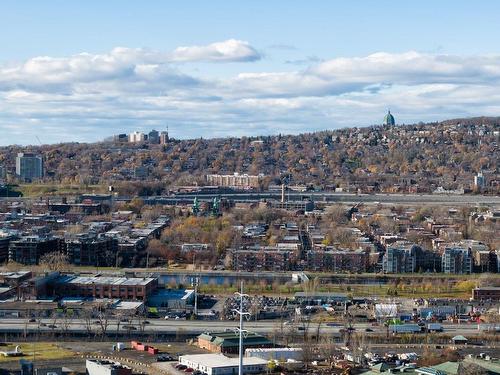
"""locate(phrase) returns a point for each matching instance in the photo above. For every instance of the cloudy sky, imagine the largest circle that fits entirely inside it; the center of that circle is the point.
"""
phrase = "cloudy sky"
(82, 71)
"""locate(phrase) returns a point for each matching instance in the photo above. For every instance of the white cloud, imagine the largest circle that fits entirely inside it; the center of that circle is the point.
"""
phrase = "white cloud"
(95, 95)
(230, 50)
(410, 67)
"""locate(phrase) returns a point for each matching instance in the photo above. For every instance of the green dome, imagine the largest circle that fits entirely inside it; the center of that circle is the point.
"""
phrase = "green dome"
(389, 119)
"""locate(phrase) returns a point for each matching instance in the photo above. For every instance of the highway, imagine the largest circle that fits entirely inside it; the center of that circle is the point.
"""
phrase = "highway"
(356, 198)
(192, 327)
(317, 196)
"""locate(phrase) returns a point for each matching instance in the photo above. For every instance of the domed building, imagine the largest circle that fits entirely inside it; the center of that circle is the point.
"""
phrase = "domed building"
(389, 119)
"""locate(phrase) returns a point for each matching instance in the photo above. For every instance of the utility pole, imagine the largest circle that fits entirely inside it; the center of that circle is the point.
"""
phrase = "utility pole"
(240, 312)
(195, 281)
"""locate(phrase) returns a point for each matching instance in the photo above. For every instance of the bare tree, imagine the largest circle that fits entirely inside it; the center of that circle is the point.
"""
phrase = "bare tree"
(55, 261)
(87, 321)
(103, 319)
(66, 321)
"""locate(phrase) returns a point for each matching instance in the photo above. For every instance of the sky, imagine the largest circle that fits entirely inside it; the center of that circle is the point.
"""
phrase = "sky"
(85, 70)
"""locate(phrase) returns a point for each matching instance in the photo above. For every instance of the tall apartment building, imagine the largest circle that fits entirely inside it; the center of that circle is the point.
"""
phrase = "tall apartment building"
(235, 180)
(154, 137)
(457, 260)
(399, 260)
(479, 181)
(3, 172)
(408, 258)
(92, 250)
(29, 166)
(136, 137)
(122, 138)
(164, 138)
(29, 249)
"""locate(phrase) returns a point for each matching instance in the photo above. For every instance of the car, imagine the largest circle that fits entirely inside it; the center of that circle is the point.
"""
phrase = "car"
(132, 328)
(52, 326)
(164, 358)
(181, 367)
(197, 372)
(368, 330)
(189, 369)
(32, 320)
(333, 324)
(146, 322)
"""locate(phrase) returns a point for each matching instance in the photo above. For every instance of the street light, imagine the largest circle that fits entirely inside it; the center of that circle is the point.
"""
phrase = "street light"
(195, 281)
(240, 312)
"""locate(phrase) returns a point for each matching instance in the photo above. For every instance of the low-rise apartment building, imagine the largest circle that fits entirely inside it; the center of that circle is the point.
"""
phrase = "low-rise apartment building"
(29, 249)
(263, 259)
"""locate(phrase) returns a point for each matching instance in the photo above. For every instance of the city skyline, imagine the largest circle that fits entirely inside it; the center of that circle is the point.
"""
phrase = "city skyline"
(82, 72)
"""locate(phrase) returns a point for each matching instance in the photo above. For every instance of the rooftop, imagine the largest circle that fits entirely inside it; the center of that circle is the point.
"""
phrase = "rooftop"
(231, 338)
(220, 360)
(101, 280)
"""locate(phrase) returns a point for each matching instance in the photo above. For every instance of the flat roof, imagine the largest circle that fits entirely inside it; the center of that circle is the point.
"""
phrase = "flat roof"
(220, 360)
(320, 294)
(105, 280)
(270, 350)
(128, 305)
(172, 294)
(14, 275)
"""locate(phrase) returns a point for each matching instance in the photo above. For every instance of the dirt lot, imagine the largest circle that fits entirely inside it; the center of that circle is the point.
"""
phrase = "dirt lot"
(71, 354)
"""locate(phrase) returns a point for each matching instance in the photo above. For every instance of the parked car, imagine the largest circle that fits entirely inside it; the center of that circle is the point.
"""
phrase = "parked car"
(164, 358)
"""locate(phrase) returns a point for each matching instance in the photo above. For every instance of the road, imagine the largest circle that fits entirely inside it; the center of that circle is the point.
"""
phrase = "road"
(349, 198)
(160, 326)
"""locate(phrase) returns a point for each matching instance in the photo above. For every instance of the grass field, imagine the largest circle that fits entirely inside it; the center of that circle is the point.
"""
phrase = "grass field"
(356, 290)
(43, 351)
(37, 190)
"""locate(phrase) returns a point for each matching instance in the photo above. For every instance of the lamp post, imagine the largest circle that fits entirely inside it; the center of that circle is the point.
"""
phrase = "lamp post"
(195, 281)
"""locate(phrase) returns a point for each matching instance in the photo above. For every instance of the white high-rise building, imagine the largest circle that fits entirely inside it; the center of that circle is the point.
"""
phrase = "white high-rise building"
(136, 137)
(479, 181)
(29, 166)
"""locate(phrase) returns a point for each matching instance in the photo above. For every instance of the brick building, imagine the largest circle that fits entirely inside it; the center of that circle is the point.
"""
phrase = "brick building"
(92, 250)
(29, 249)
(337, 261)
(133, 288)
(228, 342)
(235, 180)
(486, 293)
(263, 259)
